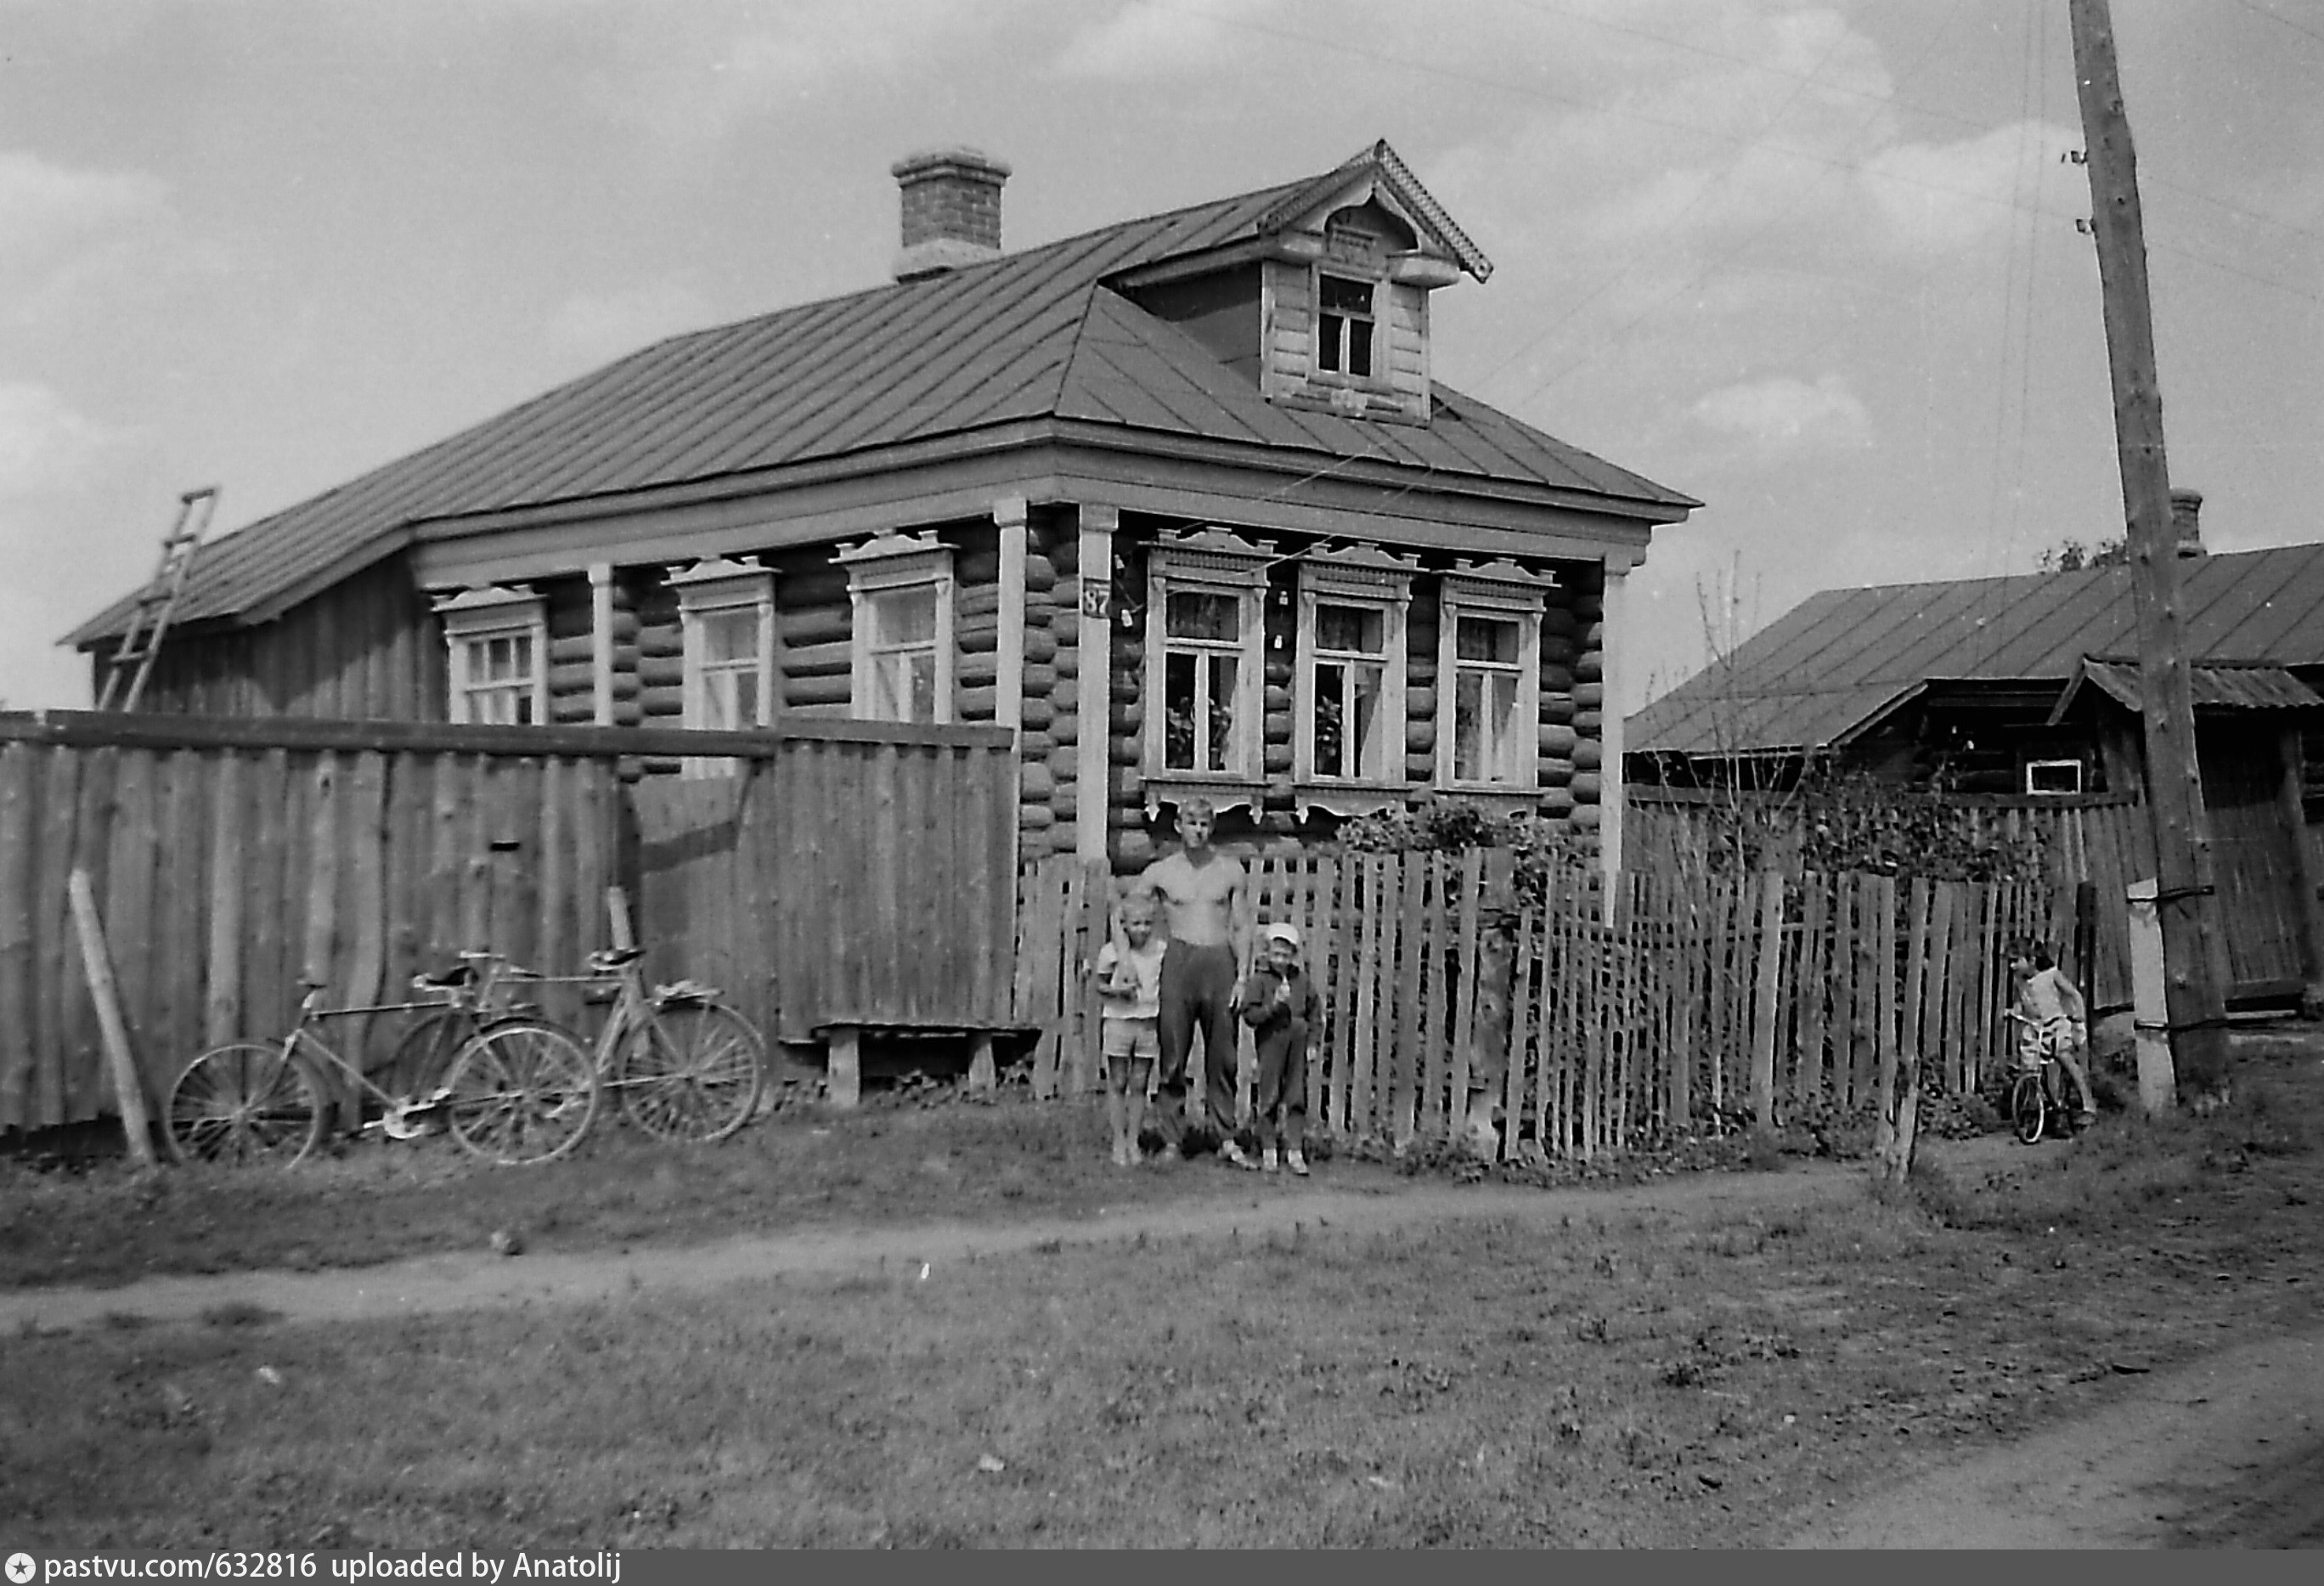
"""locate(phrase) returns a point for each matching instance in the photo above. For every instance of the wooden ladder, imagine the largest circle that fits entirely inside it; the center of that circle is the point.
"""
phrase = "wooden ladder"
(134, 658)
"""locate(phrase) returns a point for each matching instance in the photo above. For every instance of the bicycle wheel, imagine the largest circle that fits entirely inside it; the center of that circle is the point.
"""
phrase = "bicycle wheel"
(243, 1103)
(2029, 1110)
(425, 1053)
(693, 1073)
(521, 1092)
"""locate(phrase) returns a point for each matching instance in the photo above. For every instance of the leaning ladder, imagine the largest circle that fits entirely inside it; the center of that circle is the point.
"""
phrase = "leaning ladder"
(150, 620)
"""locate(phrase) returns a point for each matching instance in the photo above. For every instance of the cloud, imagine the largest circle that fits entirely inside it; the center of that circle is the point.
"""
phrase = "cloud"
(1143, 40)
(698, 73)
(598, 326)
(47, 447)
(1782, 417)
(47, 211)
(1945, 198)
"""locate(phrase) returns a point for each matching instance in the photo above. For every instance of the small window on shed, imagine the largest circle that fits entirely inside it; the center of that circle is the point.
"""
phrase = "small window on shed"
(2059, 777)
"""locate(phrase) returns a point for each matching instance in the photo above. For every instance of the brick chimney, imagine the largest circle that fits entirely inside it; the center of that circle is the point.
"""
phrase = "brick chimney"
(952, 210)
(2186, 532)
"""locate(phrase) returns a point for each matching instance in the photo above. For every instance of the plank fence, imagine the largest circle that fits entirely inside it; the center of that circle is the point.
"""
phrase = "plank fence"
(2103, 840)
(1662, 1004)
(232, 860)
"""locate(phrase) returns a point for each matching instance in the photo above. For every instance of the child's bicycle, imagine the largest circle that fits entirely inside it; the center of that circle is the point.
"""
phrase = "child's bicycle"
(518, 1091)
(2034, 1099)
(681, 1065)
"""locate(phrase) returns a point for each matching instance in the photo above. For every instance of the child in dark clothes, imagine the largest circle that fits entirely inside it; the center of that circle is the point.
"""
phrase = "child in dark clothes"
(1280, 1005)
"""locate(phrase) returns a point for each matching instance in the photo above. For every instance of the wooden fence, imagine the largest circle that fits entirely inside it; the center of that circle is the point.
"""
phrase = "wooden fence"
(2104, 840)
(1650, 1009)
(844, 872)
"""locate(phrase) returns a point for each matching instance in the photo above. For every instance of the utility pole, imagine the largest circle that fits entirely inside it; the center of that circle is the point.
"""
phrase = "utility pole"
(2174, 790)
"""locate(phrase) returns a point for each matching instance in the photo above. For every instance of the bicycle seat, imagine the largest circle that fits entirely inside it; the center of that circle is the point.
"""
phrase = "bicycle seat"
(608, 958)
(459, 975)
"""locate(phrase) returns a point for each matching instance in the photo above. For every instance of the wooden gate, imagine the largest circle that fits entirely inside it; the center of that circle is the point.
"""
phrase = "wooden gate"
(844, 871)
(2253, 864)
(862, 875)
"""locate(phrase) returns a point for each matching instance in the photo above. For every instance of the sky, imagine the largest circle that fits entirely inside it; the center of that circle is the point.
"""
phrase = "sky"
(1815, 264)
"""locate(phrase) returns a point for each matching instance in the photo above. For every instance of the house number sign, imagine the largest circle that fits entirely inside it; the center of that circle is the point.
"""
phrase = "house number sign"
(1097, 600)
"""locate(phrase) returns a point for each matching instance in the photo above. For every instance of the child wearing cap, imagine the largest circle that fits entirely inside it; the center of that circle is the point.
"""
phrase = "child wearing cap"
(1281, 1007)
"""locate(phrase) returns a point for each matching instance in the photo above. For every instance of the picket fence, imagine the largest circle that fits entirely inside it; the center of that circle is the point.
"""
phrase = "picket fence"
(1633, 1011)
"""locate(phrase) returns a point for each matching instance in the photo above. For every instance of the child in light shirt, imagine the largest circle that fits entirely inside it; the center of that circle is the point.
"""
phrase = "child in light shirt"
(1130, 984)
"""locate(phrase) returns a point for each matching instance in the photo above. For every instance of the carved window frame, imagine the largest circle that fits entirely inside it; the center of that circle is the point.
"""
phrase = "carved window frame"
(1371, 580)
(1212, 562)
(475, 620)
(891, 565)
(1496, 592)
(708, 591)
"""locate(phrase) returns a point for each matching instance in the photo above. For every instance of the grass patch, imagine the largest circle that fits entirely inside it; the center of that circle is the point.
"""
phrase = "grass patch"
(904, 1161)
(1621, 1377)
(2117, 1174)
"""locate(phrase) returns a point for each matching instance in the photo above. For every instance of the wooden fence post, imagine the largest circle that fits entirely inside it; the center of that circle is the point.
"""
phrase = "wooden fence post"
(1489, 1043)
(1769, 989)
(2158, 1080)
(96, 964)
(1883, 1029)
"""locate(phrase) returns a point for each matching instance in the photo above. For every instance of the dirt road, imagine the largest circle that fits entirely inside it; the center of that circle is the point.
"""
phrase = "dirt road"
(2228, 1452)
(473, 1280)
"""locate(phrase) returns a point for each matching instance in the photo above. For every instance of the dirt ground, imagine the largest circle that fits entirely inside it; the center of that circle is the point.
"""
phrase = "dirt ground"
(2175, 1396)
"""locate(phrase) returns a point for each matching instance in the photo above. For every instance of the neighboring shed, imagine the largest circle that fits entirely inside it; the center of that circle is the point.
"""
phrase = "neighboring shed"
(1955, 684)
(2024, 687)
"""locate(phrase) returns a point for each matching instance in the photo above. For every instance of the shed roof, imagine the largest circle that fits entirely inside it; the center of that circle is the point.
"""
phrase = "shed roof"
(1029, 337)
(1839, 660)
(2212, 685)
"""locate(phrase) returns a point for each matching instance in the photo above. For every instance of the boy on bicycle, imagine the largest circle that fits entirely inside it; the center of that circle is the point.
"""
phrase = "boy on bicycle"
(2055, 1019)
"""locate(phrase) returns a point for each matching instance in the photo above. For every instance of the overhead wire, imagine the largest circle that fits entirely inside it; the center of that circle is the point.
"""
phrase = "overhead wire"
(1710, 185)
(1909, 106)
(1719, 261)
(2280, 20)
(1534, 91)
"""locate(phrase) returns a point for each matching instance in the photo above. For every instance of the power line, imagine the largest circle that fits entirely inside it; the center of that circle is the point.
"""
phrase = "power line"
(1932, 111)
(1721, 261)
(2280, 20)
(1342, 47)
(1406, 63)
(1702, 192)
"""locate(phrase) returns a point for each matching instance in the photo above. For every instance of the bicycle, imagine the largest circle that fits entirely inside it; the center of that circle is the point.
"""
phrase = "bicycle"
(681, 1065)
(2034, 1100)
(520, 1091)
(464, 1000)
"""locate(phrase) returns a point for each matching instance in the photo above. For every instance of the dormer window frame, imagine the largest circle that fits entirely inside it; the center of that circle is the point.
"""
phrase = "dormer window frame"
(1335, 342)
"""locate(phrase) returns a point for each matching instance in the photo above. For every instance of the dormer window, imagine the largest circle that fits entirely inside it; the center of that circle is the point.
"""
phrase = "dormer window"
(1344, 324)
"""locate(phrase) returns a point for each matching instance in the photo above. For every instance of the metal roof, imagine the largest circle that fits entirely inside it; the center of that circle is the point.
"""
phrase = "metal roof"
(1840, 659)
(1028, 337)
(2214, 686)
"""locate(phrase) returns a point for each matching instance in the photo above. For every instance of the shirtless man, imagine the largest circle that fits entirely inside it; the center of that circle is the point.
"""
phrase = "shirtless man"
(1200, 889)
